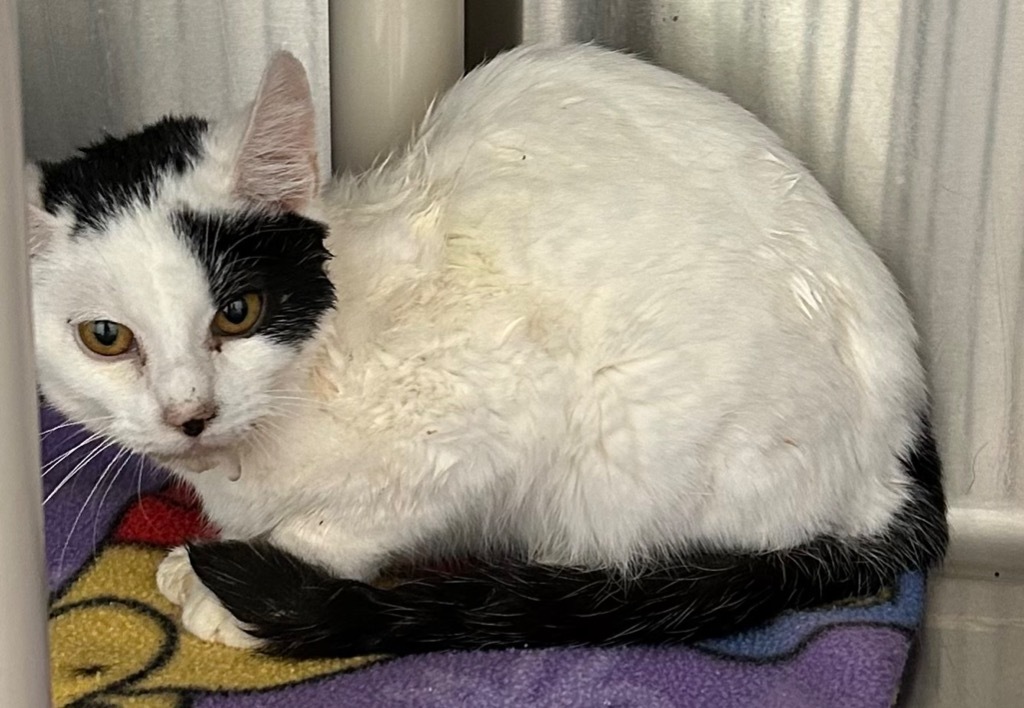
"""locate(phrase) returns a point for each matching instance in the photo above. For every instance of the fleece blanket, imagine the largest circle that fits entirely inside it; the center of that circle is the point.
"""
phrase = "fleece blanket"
(116, 642)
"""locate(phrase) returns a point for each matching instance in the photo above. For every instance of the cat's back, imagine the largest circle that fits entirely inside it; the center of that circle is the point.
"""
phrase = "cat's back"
(627, 191)
(703, 308)
(579, 94)
(572, 125)
(602, 175)
(593, 161)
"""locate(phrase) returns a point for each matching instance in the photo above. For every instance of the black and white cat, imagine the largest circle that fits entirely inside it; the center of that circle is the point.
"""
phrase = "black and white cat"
(594, 328)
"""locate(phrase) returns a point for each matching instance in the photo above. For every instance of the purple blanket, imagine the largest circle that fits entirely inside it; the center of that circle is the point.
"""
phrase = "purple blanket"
(115, 643)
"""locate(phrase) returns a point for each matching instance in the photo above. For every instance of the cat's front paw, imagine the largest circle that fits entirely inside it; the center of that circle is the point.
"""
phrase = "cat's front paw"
(174, 574)
(202, 613)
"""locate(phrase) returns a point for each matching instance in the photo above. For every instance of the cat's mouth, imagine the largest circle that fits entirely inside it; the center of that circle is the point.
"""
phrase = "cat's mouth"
(201, 458)
(194, 453)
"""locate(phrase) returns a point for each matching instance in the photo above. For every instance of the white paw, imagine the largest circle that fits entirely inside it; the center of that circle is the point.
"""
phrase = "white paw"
(201, 611)
(173, 575)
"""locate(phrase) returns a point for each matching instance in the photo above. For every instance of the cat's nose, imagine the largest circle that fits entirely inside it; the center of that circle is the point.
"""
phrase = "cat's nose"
(190, 419)
(194, 427)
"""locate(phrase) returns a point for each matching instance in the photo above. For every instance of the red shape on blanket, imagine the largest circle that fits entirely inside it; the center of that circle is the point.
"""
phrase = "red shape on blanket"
(169, 517)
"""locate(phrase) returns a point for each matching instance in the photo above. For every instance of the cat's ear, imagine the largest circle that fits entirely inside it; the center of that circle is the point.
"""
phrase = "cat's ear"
(277, 162)
(42, 226)
(42, 229)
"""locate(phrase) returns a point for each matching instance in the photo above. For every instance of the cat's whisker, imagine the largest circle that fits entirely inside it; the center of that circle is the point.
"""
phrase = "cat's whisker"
(291, 395)
(274, 416)
(283, 397)
(258, 439)
(70, 423)
(274, 412)
(306, 400)
(105, 443)
(52, 464)
(283, 410)
(103, 499)
(49, 465)
(288, 405)
(285, 405)
(266, 425)
(85, 504)
(78, 468)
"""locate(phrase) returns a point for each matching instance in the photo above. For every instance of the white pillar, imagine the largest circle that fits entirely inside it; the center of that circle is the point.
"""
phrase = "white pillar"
(24, 661)
(389, 58)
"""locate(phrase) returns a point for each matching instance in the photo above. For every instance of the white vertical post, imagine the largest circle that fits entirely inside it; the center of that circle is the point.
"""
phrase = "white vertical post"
(389, 58)
(24, 661)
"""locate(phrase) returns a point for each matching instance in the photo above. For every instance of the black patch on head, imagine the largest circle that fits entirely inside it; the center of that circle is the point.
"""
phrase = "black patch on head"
(107, 177)
(281, 255)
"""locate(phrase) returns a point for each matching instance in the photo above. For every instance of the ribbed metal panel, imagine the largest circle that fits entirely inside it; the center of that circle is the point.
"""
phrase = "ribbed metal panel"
(113, 65)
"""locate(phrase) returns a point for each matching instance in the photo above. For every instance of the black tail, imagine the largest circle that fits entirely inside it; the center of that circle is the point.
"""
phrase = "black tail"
(305, 612)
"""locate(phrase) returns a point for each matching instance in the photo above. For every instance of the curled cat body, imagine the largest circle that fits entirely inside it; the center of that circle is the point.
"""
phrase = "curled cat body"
(594, 333)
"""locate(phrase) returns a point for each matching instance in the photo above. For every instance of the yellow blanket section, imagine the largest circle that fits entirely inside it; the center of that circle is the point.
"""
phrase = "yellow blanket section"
(114, 638)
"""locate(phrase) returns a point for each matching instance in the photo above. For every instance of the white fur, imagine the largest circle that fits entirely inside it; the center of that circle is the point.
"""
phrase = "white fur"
(593, 311)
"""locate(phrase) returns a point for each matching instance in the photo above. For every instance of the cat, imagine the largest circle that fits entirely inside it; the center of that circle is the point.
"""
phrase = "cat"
(595, 356)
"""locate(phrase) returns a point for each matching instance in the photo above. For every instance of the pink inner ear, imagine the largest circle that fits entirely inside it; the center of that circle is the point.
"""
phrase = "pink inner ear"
(277, 163)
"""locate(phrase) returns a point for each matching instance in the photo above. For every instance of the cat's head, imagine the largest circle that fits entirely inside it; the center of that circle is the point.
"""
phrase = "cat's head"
(179, 272)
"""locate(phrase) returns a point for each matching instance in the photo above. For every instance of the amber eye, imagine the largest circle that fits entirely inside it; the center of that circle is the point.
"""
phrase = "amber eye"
(105, 338)
(238, 316)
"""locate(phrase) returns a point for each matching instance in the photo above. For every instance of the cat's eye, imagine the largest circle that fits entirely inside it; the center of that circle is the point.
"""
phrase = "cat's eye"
(238, 316)
(105, 338)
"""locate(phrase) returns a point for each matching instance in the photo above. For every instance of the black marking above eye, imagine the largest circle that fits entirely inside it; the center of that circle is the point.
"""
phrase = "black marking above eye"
(266, 271)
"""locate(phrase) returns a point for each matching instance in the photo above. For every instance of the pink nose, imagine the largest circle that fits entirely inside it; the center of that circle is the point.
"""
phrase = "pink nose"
(191, 418)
